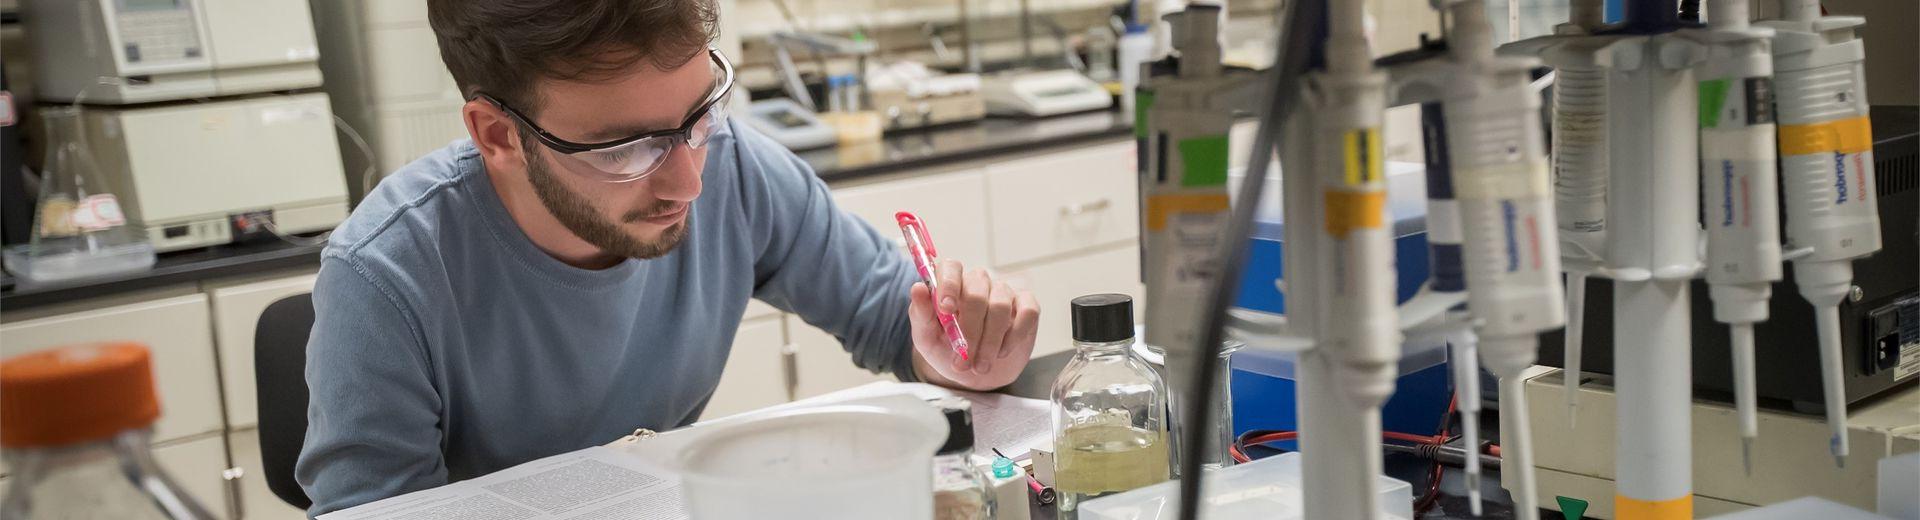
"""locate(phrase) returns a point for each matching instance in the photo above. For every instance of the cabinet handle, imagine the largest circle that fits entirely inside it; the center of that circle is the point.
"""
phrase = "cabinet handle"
(1085, 208)
(790, 369)
(236, 503)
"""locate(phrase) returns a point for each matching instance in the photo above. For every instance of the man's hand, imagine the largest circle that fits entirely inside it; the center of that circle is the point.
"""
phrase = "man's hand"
(998, 321)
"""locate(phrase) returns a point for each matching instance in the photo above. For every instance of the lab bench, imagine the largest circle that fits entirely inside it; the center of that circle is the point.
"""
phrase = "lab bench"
(1048, 203)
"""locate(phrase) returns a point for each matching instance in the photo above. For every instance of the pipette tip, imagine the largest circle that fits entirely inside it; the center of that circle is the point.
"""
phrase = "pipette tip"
(1473, 494)
(1840, 461)
(1746, 454)
(1573, 415)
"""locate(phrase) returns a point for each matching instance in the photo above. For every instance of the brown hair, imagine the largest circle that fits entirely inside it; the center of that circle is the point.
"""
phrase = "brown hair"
(501, 47)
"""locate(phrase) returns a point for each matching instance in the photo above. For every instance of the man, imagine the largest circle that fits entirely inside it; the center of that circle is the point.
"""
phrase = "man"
(577, 269)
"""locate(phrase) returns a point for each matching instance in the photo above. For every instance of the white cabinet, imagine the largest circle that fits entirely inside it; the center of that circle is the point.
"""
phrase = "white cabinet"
(1055, 284)
(754, 377)
(824, 366)
(257, 501)
(236, 314)
(952, 205)
(175, 329)
(1062, 203)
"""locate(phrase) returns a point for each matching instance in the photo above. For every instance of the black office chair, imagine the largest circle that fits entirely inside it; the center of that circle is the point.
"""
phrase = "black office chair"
(279, 373)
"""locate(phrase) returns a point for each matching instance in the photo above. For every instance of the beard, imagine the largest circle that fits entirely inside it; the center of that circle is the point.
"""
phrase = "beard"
(579, 216)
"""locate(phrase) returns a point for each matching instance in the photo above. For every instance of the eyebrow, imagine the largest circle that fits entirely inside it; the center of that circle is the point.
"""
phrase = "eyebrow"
(623, 132)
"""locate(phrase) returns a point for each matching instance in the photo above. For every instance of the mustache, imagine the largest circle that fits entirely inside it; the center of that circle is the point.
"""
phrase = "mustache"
(657, 209)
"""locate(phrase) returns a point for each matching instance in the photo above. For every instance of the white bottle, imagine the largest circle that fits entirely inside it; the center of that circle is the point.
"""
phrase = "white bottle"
(1136, 48)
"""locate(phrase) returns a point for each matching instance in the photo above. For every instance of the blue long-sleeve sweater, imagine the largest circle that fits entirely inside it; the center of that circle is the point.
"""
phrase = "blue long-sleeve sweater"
(446, 346)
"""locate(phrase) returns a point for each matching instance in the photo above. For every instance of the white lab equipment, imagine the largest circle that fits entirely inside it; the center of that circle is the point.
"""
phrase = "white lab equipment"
(850, 461)
(1826, 173)
(164, 50)
(1266, 489)
(790, 124)
(188, 175)
(1041, 93)
(1579, 172)
(386, 81)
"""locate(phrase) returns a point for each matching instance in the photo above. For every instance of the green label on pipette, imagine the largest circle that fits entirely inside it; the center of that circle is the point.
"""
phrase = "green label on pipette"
(1713, 95)
(1142, 100)
(1205, 161)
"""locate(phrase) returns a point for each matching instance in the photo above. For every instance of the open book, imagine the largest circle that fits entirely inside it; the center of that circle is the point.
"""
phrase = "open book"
(628, 478)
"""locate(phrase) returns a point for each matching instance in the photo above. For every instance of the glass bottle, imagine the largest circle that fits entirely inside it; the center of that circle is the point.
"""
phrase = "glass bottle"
(78, 228)
(85, 454)
(960, 491)
(1109, 409)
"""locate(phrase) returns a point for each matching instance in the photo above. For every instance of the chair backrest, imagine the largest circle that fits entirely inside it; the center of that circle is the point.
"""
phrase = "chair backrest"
(279, 371)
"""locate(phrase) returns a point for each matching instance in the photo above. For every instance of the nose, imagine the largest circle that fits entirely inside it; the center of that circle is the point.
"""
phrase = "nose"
(678, 179)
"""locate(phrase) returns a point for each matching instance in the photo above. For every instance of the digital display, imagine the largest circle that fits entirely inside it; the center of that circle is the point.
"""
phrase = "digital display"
(1059, 92)
(788, 119)
(149, 5)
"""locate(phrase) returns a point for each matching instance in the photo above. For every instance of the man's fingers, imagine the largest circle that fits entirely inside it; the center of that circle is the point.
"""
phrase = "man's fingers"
(993, 333)
(1025, 328)
(951, 286)
(973, 303)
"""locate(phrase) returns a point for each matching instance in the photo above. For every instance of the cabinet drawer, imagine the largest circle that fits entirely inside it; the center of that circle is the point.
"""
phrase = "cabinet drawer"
(753, 378)
(1050, 205)
(953, 206)
(1056, 283)
(824, 366)
(236, 316)
(176, 329)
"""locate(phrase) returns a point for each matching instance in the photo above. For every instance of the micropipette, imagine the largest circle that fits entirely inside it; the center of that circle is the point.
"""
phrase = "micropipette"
(1826, 171)
(1740, 179)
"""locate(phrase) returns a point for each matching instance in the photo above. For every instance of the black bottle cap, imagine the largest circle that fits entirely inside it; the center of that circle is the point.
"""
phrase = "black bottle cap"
(1102, 318)
(959, 412)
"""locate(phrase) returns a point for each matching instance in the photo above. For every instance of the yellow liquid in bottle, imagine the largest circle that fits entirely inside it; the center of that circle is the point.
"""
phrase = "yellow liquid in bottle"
(1098, 459)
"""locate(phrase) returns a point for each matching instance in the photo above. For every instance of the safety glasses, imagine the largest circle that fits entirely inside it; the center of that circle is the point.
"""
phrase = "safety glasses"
(634, 157)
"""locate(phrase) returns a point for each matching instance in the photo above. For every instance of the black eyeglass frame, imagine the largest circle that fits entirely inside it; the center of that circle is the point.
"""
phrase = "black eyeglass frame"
(683, 133)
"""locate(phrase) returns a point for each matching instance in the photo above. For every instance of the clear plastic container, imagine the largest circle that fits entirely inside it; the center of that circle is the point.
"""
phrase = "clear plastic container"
(78, 228)
(1109, 409)
(853, 461)
(1265, 489)
(1220, 420)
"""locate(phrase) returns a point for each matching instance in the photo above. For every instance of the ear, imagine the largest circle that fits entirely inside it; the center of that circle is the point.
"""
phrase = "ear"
(495, 134)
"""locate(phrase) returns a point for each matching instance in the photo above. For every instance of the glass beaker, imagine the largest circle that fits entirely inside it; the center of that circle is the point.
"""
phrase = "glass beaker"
(78, 228)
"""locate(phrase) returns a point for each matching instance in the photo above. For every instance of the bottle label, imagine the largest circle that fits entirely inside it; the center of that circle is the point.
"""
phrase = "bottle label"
(98, 213)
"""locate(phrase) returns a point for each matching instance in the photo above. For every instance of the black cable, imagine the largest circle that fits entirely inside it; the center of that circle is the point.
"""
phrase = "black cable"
(1297, 39)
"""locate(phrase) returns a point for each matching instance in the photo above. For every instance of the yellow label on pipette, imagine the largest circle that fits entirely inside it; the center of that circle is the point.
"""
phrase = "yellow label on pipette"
(1852, 135)
(1625, 508)
(1347, 211)
(1362, 154)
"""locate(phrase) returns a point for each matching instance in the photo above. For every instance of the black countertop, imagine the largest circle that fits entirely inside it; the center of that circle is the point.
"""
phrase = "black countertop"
(900, 151)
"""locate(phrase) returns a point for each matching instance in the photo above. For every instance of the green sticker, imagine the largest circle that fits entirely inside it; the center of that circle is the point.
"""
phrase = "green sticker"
(1574, 508)
(1713, 95)
(1204, 160)
(1142, 100)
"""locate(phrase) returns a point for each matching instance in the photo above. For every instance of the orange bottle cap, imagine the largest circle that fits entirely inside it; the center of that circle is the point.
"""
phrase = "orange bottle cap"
(75, 394)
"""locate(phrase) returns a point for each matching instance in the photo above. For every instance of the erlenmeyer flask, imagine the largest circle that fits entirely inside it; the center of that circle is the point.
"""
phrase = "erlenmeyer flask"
(78, 228)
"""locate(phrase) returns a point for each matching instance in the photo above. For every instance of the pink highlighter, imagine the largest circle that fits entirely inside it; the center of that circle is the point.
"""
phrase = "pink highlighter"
(920, 246)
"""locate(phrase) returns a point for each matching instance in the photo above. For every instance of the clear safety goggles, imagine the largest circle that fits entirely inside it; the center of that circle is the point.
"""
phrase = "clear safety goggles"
(634, 157)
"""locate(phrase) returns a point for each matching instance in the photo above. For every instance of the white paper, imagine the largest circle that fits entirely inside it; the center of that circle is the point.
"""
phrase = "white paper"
(596, 482)
(1012, 424)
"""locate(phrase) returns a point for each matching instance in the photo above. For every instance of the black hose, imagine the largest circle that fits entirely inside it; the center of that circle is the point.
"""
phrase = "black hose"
(1298, 37)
